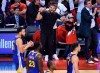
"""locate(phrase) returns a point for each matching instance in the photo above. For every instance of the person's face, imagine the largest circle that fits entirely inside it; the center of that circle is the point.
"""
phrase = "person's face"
(53, 66)
(17, 12)
(17, 1)
(98, 1)
(78, 48)
(71, 19)
(37, 2)
(23, 32)
(52, 9)
(89, 4)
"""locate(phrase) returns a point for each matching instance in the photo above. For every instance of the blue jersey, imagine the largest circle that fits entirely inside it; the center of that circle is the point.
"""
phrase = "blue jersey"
(18, 57)
(33, 63)
(70, 67)
(47, 71)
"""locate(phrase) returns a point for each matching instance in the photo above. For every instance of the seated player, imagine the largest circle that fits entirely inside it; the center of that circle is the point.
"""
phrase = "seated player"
(35, 60)
(73, 59)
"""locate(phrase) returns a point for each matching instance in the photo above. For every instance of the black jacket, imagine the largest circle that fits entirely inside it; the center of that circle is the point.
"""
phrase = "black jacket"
(85, 25)
(21, 20)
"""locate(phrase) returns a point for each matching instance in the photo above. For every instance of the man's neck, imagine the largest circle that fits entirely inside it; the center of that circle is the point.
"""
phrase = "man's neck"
(51, 70)
(74, 52)
(16, 15)
(19, 36)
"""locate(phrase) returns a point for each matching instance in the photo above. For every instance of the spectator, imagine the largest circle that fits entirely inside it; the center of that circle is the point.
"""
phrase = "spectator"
(17, 19)
(32, 11)
(42, 2)
(28, 2)
(21, 6)
(88, 30)
(6, 10)
(71, 35)
(61, 9)
(97, 5)
(72, 8)
(80, 7)
(1, 16)
(47, 32)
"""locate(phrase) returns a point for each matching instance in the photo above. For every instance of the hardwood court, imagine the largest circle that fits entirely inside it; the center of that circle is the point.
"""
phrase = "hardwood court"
(7, 66)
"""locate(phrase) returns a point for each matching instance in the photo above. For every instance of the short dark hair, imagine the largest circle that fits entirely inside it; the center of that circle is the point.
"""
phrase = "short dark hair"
(19, 29)
(36, 45)
(52, 4)
(74, 46)
(16, 8)
(49, 63)
(86, 1)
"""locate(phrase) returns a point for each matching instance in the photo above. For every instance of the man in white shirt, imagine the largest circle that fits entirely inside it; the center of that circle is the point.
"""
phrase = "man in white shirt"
(89, 31)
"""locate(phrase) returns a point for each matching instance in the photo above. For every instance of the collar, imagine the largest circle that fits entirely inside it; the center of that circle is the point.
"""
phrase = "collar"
(16, 15)
(87, 8)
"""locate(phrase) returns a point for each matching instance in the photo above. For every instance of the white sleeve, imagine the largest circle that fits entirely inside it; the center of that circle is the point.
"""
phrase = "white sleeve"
(64, 8)
(59, 1)
(42, 2)
(27, 3)
(71, 4)
(3, 5)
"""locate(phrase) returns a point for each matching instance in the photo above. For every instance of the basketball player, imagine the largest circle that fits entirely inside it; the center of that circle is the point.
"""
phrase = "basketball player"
(51, 67)
(18, 50)
(35, 60)
(73, 59)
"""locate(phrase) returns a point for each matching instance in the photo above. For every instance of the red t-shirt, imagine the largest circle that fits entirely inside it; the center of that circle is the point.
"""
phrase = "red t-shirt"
(22, 7)
(71, 38)
(36, 36)
(61, 33)
(98, 19)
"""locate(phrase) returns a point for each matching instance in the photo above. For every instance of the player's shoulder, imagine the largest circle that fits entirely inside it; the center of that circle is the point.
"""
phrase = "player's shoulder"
(39, 55)
(75, 58)
(31, 52)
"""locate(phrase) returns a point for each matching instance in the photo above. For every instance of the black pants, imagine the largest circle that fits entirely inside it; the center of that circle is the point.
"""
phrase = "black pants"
(92, 43)
(47, 40)
(67, 50)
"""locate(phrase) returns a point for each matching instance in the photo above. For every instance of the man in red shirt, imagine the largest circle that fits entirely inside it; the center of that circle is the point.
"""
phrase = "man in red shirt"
(21, 6)
(97, 5)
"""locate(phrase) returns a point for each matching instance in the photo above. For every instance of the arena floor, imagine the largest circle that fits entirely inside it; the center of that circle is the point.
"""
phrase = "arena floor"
(7, 66)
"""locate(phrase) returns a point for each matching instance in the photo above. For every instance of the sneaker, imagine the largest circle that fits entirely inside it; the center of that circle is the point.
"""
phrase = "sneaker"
(55, 57)
(96, 59)
(46, 57)
(90, 62)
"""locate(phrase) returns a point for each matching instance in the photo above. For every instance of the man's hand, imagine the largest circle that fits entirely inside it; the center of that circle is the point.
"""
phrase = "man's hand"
(64, 19)
(30, 44)
(41, 9)
(17, 4)
(95, 10)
